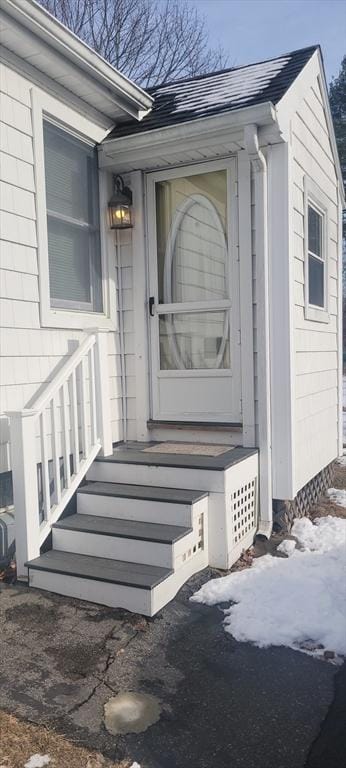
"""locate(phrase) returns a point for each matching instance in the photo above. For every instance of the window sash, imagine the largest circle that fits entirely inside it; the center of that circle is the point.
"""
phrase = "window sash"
(317, 287)
(86, 276)
(320, 258)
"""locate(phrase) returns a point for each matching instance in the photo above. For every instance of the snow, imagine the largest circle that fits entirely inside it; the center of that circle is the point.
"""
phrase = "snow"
(37, 761)
(135, 765)
(337, 495)
(235, 87)
(295, 601)
(287, 547)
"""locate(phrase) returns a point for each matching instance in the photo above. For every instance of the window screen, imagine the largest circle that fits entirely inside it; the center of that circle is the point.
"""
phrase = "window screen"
(316, 263)
(73, 221)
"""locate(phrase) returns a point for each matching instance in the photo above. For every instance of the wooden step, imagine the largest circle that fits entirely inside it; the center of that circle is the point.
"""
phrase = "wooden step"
(100, 569)
(137, 456)
(126, 529)
(145, 503)
(139, 588)
(151, 493)
(130, 540)
(133, 466)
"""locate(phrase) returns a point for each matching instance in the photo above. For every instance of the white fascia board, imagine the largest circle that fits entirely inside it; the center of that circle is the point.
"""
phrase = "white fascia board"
(151, 142)
(288, 105)
(43, 25)
(324, 89)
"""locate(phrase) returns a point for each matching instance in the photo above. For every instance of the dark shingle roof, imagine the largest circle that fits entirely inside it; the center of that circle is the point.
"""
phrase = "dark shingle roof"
(217, 92)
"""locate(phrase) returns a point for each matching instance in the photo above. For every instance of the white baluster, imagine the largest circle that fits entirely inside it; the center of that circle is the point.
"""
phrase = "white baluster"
(56, 453)
(93, 412)
(44, 465)
(84, 413)
(74, 421)
(66, 435)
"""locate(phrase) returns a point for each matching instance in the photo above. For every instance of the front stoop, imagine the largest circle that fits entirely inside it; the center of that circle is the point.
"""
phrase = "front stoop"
(146, 522)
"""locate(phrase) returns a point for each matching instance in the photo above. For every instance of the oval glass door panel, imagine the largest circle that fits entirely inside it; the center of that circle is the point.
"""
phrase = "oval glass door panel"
(191, 238)
(192, 256)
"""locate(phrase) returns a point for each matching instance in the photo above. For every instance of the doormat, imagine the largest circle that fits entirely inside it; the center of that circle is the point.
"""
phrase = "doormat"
(189, 449)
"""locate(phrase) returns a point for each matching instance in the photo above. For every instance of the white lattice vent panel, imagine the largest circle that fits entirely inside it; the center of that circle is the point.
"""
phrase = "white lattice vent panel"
(244, 510)
(195, 541)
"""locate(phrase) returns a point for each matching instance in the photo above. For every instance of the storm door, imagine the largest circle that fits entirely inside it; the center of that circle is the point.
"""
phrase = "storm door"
(193, 280)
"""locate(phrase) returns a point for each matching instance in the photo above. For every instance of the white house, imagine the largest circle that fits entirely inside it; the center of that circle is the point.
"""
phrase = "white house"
(183, 370)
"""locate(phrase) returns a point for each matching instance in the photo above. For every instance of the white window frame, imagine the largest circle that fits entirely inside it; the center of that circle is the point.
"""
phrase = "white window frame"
(316, 199)
(45, 107)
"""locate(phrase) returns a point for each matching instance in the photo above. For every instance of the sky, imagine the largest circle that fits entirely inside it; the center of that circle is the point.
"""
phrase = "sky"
(251, 30)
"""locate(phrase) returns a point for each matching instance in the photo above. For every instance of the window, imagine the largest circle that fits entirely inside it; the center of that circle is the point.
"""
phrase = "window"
(316, 254)
(316, 264)
(72, 199)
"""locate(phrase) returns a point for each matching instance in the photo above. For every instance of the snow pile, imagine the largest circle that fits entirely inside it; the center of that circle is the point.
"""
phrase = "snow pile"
(337, 495)
(321, 536)
(287, 547)
(37, 761)
(298, 601)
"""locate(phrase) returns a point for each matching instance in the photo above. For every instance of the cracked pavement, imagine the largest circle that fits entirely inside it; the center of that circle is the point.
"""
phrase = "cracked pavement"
(224, 704)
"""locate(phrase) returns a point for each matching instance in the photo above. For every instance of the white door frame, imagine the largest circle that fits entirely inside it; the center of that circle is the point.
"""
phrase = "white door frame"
(230, 165)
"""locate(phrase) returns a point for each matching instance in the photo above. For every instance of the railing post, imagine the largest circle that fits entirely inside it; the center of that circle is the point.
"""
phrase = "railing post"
(25, 488)
(102, 392)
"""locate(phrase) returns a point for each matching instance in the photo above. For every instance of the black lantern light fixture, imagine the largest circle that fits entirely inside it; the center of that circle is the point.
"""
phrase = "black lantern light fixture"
(119, 206)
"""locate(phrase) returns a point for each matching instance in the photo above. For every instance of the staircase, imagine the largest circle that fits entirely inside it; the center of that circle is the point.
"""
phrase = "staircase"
(128, 546)
(147, 518)
(137, 536)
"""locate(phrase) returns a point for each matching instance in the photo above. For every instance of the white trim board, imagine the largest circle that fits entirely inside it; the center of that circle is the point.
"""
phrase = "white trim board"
(214, 131)
(280, 232)
(246, 299)
(140, 307)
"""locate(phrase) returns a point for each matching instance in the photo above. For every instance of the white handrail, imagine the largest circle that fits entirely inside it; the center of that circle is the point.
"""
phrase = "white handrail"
(71, 418)
(63, 374)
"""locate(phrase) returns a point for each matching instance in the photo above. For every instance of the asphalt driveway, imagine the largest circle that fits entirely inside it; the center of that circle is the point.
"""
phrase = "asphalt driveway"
(222, 704)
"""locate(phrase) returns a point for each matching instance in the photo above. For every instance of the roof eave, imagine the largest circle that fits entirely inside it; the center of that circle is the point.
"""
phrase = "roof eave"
(43, 25)
(260, 114)
(324, 88)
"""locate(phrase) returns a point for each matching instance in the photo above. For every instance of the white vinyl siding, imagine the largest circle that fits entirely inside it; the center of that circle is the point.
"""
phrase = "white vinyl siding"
(30, 353)
(315, 342)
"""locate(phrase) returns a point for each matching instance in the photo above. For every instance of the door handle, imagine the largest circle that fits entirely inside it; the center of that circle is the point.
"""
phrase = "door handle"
(151, 305)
